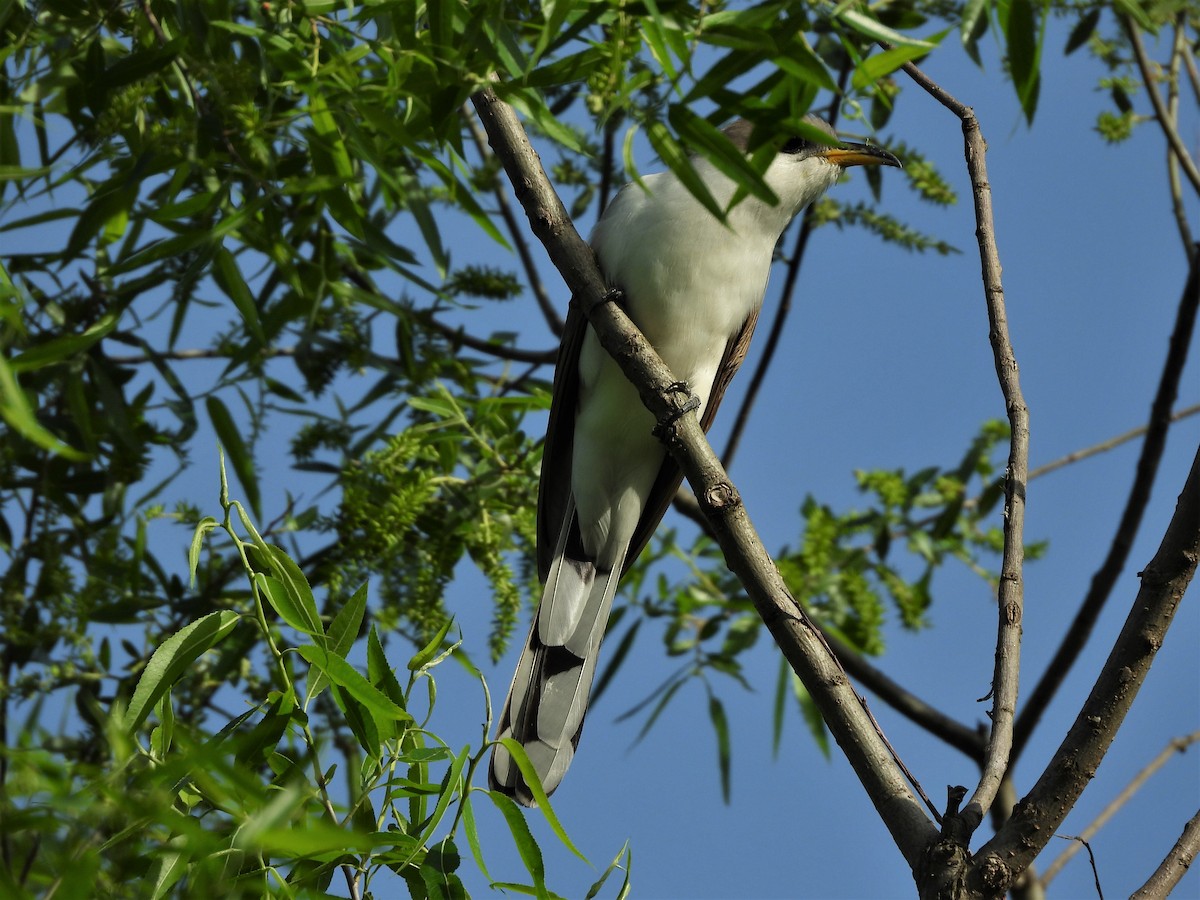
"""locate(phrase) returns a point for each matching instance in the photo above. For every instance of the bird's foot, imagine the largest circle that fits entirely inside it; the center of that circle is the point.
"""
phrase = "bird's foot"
(691, 404)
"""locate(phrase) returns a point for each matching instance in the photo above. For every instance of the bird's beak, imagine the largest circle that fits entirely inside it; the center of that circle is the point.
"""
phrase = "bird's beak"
(859, 155)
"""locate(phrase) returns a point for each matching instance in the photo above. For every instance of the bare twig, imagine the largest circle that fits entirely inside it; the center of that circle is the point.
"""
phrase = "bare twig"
(800, 642)
(1189, 62)
(784, 307)
(500, 351)
(517, 235)
(1104, 446)
(1010, 594)
(1164, 581)
(1131, 518)
(1173, 748)
(1174, 865)
(1179, 50)
(1170, 132)
(608, 154)
(1077, 841)
(187, 355)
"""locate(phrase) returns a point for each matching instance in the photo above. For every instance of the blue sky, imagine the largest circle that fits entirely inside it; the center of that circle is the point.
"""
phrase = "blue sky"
(886, 363)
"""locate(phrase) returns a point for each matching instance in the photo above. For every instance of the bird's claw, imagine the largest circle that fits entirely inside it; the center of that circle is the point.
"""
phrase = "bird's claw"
(692, 403)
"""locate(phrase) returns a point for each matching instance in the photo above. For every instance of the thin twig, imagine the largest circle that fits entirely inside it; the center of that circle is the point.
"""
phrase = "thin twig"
(784, 308)
(1164, 580)
(1189, 62)
(500, 351)
(517, 235)
(1010, 594)
(1104, 446)
(1179, 50)
(1174, 747)
(607, 155)
(1077, 841)
(1164, 120)
(186, 355)
(1174, 866)
(1131, 517)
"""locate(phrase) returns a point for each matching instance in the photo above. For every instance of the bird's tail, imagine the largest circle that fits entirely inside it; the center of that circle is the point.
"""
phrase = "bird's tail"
(549, 695)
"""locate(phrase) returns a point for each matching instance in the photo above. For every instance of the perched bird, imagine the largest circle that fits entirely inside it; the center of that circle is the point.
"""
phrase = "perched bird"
(694, 286)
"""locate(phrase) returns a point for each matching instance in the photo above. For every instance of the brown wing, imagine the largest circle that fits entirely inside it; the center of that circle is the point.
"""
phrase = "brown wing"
(554, 488)
(670, 476)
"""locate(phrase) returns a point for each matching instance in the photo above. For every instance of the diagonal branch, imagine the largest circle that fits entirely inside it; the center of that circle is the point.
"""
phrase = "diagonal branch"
(1108, 444)
(799, 640)
(1174, 866)
(1164, 581)
(1131, 518)
(1176, 746)
(1165, 121)
(540, 294)
(1010, 594)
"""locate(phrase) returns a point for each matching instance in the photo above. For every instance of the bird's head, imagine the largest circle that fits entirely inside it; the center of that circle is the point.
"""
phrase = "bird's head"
(806, 166)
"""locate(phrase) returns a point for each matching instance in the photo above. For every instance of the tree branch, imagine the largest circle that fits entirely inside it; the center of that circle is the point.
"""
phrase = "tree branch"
(1160, 112)
(1173, 867)
(1131, 518)
(1164, 581)
(500, 351)
(1104, 446)
(1179, 50)
(1010, 594)
(800, 641)
(540, 294)
(1176, 746)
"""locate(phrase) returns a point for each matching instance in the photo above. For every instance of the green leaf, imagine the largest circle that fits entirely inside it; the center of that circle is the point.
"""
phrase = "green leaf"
(299, 591)
(379, 672)
(426, 654)
(235, 447)
(1135, 10)
(203, 527)
(595, 889)
(876, 31)
(698, 132)
(874, 67)
(777, 706)
(343, 631)
(61, 348)
(16, 411)
(676, 159)
(531, 854)
(539, 795)
(348, 678)
(1083, 30)
(278, 598)
(716, 713)
(229, 278)
(1021, 34)
(812, 716)
(173, 658)
(974, 26)
(452, 786)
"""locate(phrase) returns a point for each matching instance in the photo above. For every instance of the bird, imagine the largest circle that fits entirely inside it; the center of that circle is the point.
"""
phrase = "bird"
(693, 285)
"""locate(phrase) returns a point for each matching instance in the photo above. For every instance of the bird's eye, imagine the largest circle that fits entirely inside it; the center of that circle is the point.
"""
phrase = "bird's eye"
(794, 146)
